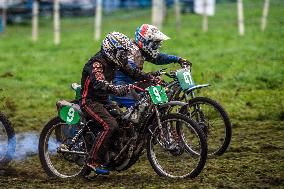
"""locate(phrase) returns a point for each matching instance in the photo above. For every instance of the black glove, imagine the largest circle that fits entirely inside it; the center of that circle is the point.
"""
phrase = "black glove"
(184, 62)
(158, 73)
(122, 90)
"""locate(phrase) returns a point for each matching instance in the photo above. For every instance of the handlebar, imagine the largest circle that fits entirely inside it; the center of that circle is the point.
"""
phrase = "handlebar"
(134, 85)
(138, 88)
(171, 74)
(159, 72)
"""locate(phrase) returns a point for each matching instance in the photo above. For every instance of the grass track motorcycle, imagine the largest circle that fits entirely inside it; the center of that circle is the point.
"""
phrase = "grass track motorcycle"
(66, 140)
(209, 114)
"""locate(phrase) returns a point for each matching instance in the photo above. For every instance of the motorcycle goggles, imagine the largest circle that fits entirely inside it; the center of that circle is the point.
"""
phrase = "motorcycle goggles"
(121, 55)
(154, 45)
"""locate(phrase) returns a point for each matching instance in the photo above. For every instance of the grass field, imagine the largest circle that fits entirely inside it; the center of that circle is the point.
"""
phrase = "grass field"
(246, 74)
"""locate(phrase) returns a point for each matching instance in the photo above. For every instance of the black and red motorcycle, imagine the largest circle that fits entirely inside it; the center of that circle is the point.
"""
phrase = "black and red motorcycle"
(67, 139)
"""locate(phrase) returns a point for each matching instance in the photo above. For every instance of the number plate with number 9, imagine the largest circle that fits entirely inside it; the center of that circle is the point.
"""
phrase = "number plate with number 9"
(158, 94)
(69, 115)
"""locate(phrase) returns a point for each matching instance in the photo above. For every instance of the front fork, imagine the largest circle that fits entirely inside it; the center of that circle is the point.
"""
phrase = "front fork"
(170, 139)
(158, 119)
(197, 109)
(157, 113)
(167, 136)
(199, 115)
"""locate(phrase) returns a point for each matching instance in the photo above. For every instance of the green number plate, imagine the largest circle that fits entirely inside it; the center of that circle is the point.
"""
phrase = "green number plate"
(185, 79)
(158, 94)
(69, 115)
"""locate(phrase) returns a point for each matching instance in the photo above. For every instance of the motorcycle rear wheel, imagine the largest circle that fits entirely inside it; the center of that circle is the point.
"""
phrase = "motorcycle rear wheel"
(59, 164)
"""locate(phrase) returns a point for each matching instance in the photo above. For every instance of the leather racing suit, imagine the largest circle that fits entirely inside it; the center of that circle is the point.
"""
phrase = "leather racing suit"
(97, 75)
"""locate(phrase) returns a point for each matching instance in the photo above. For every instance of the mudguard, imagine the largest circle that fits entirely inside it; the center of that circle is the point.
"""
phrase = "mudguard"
(172, 103)
(196, 87)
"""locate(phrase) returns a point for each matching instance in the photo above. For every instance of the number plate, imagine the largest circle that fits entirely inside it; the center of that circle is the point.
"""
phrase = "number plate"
(185, 79)
(69, 115)
(158, 94)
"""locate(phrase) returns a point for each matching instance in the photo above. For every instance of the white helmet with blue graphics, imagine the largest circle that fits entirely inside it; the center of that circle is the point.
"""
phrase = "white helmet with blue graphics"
(115, 47)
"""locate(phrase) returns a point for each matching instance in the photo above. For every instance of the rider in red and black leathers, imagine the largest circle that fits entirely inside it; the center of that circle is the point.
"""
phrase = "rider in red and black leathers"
(97, 77)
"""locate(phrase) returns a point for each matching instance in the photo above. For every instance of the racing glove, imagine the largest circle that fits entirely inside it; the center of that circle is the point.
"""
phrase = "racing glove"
(184, 62)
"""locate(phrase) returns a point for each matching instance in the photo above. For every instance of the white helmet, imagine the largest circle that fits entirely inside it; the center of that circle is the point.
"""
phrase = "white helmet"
(115, 47)
(149, 38)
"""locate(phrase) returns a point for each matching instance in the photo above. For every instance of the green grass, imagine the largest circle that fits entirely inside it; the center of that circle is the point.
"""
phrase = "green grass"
(246, 74)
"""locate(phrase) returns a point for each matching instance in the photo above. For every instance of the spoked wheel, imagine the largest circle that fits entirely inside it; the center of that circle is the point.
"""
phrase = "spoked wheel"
(166, 151)
(7, 140)
(214, 121)
(59, 156)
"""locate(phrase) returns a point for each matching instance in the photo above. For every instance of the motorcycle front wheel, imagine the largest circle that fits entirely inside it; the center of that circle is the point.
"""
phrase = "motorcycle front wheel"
(213, 120)
(166, 151)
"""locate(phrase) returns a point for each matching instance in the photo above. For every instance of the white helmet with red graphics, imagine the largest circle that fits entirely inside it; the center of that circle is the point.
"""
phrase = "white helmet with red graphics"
(149, 38)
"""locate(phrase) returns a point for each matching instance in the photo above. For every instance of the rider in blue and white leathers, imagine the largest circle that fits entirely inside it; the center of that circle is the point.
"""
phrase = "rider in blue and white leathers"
(148, 40)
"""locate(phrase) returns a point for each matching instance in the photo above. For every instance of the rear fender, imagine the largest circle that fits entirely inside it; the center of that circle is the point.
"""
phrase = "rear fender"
(196, 87)
(172, 103)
